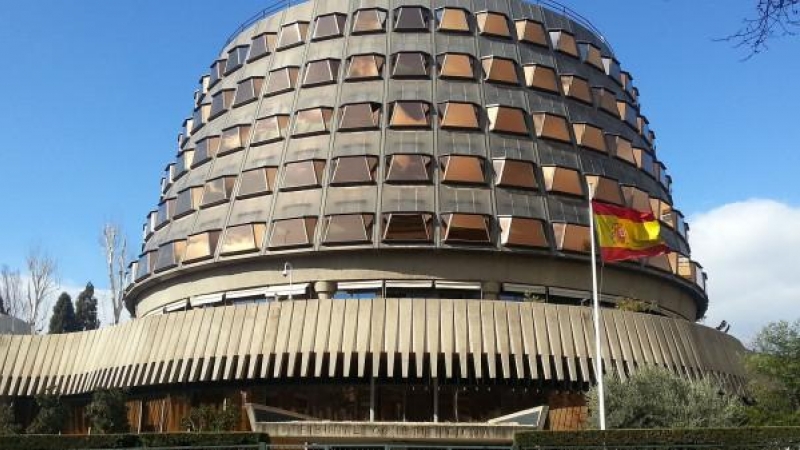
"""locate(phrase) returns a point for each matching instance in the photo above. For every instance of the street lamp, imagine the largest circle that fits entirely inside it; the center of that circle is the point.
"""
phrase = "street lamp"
(287, 272)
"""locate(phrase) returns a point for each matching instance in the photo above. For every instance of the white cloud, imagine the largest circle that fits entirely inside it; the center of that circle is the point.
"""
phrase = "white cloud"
(751, 251)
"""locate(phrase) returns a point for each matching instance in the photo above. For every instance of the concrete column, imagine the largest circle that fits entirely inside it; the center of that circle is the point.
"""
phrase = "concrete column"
(491, 290)
(325, 289)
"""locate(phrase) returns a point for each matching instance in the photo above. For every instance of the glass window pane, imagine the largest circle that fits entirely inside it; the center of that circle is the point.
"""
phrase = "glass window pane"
(453, 20)
(218, 191)
(329, 26)
(472, 228)
(354, 170)
(410, 65)
(282, 80)
(201, 246)
(169, 255)
(562, 180)
(217, 72)
(262, 45)
(456, 65)
(369, 20)
(257, 181)
(604, 189)
(571, 237)
(409, 168)
(564, 42)
(187, 201)
(292, 34)
(523, 232)
(514, 173)
(459, 115)
(321, 72)
(243, 239)
(364, 67)
(234, 139)
(577, 88)
(410, 115)
(312, 121)
(531, 32)
(541, 77)
(303, 174)
(348, 228)
(500, 70)
(411, 18)
(504, 119)
(292, 232)
(551, 126)
(221, 101)
(248, 90)
(407, 228)
(493, 24)
(589, 136)
(269, 129)
(236, 59)
(359, 116)
(463, 169)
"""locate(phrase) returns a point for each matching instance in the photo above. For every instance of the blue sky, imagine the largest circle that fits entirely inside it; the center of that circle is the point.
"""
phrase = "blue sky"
(95, 93)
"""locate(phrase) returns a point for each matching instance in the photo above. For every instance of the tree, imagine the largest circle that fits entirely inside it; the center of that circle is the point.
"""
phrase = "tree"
(107, 412)
(63, 318)
(11, 292)
(42, 283)
(773, 368)
(51, 416)
(115, 246)
(8, 423)
(205, 418)
(773, 18)
(86, 309)
(655, 398)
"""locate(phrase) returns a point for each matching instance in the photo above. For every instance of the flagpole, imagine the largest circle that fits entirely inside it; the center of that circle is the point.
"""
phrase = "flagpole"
(598, 359)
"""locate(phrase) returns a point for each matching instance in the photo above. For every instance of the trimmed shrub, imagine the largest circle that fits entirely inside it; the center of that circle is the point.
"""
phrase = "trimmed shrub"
(128, 441)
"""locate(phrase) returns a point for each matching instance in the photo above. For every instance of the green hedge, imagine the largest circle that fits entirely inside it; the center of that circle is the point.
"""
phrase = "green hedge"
(725, 437)
(121, 441)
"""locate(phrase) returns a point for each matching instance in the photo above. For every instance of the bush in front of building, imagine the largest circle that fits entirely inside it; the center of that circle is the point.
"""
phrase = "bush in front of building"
(129, 441)
(107, 412)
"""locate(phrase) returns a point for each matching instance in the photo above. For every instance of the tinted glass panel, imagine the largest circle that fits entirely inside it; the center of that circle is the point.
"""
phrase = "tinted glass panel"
(452, 19)
(563, 180)
(292, 34)
(262, 45)
(500, 70)
(531, 32)
(410, 114)
(513, 173)
(504, 119)
(551, 126)
(312, 121)
(257, 181)
(359, 116)
(329, 26)
(577, 88)
(472, 228)
(369, 20)
(243, 239)
(407, 228)
(564, 42)
(571, 237)
(354, 170)
(349, 228)
(234, 139)
(518, 231)
(303, 174)
(292, 232)
(590, 137)
(270, 129)
(218, 191)
(236, 59)
(221, 101)
(409, 168)
(364, 67)
(410, 64)
(411, 18)
(282, 80)
(541, 77)
(321, 72)
(201, 246)
(493, 24)
(459, 115)
(463, 169)
(248, 90)
(456, 65)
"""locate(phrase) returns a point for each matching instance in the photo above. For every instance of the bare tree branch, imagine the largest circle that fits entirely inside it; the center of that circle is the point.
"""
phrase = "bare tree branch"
(41, 284)
(115, 247)
(774, 18)
(11, 291)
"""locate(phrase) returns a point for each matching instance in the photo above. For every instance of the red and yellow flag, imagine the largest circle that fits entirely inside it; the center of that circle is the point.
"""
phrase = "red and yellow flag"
(625, 233)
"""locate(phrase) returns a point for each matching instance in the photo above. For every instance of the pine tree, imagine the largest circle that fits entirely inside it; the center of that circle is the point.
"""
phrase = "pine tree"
(86, 309)
(2, 305)
(63, 319)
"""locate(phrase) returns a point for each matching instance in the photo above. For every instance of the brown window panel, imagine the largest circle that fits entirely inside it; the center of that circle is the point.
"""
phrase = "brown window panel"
(505, 119)
(522, 232)
(234, 139)
(312, 121)
(145, 265)
(622, 148)
(217, 72)
(221, 102)
(562, 180)
(410, 65)
(269, 129)
(589, 136)
(644, 160)
(166, 209)
(184, 162)
(636, 198)
(282, 80)
(262, 45)
(667, 262)
(303, 174)
(627, 112)
(500, 70)
(411, 18)
(463, 169)
(493, 24)
(236, 58)
(551, 126)
(410, 114)
(329, 26)
(257, 182)
(188, 201)
(515, 174)
(293, 232)
(564, 42)
(348, 229)
(659, 208)
(577, 88)
(324, 71)
(354, 170)
(570, 237)
(605, 189)
(365, 67)
(243, 239)
(407, 227)
(459, 115)
(531, 32)
(201, 246)
(409, 168)
(454, 20)
(292, 34)
(218, 191)
(170, 255)
(248, 90)
(466, 228)
(541, 77)
(591, 55)
(456, 66)
(371, 20)
(359, 116)
(607, 101)
(200, 116)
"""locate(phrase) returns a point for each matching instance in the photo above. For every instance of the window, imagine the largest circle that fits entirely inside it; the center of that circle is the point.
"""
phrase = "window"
(282, 80)
(145, 265)
(302, 174)
(220, 102)
(169, 255)
(359, 116)
(407, 227)
(522, 232)
(371, 20)
(571, 237)
(236, 58)
(407, 114)
(183, 163)
(292, 34)
(505, 119)
(493, 24)
(604, 189)
(592, 56)
(551, 126)
(269, 129)
(243, 239)
(466, 228)
(218, 191)
(458, 115)
(329, 26)
(349, 170)
(460, 66)
(205, 150)
(217, 72)
(577, 88)
(293, 232)
(200, 116)
(564, 42)
(257, 182)
(410, 65)
(607, 101)
(463, 169)
(541, 77)
(324, 71)
(234, 139)
(348, 229)
(248, 90)
(667, 262)
(452, 20)
(312, 121)
(262, 45)
(562, 180)
(589, 136)
(636, 198)
(365, 67)
(644, 160)
(622, 148)
(201, 246)
(531, 32)
(500, 70)
(409, 168)
(514, 173)
(411, 18)
(188, 201)
(627, 112)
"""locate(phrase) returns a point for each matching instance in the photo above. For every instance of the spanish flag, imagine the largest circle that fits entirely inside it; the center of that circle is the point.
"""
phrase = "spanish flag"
(625, 233)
